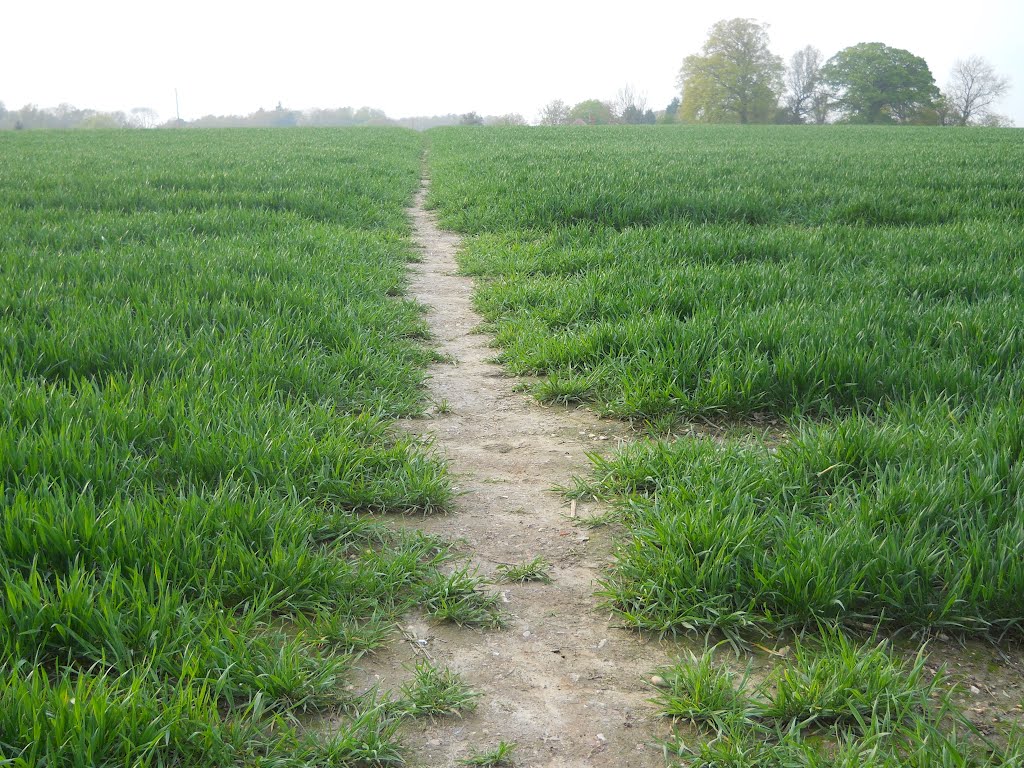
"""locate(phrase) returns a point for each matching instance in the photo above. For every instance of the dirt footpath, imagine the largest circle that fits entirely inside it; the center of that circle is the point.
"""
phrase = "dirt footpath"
(563, 681)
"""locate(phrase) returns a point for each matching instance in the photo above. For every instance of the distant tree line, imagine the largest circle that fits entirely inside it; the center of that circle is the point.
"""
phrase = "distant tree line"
(735, 78)
(628, 107)
(65, 116)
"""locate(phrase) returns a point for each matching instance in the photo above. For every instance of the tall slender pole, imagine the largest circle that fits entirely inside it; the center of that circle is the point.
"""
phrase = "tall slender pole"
(177, 109)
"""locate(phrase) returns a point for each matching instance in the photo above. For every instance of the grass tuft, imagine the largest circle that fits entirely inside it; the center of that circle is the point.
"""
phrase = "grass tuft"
(537, 569)
(459, 598)
(499, 756)
(436, 692)
(833, 703)
(703, 692)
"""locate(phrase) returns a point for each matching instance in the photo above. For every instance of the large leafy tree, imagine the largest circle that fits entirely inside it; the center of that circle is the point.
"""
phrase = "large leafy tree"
(592, 112)
(734, 79)
(554, 113)
(879, 84)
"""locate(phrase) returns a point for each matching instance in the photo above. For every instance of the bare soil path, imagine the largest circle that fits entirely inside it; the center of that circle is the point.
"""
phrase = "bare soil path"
(563, 681)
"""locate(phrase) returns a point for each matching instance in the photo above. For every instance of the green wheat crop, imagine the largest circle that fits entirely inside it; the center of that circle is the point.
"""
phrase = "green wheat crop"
(202, 342)
(861, 287)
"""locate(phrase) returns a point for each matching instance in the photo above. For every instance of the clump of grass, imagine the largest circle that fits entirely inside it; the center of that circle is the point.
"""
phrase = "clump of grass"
(563, 388)
(341, 633)
(368, 738)
(435, 692)
(845, 683)
(501, 755)
(537, 569)
(858, 519)
(459, 598)
(608, 517)
(703, 692)
(833, 702)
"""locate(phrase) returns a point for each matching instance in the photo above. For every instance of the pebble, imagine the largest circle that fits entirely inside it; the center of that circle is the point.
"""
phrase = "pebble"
(659, 681)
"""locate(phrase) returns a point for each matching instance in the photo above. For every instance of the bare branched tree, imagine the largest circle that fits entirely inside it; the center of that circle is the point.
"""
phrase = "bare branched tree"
(629, 97)
(143, 117)
(807, 97)
(974, 88)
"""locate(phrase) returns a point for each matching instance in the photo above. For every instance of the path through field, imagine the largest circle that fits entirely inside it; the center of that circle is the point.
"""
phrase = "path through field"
(563, 681)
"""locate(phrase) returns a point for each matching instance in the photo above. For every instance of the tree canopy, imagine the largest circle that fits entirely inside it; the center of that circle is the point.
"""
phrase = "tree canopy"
(592, 112)
(554, 113)
(879, 84)
(735, 78)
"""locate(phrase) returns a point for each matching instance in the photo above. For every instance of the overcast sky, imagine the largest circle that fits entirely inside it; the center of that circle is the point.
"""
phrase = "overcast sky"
(422, 58)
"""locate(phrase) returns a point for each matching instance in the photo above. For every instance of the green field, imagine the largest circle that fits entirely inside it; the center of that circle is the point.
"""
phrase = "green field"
(202, 345)
(843, 308)
(864, 286)
(204, 342)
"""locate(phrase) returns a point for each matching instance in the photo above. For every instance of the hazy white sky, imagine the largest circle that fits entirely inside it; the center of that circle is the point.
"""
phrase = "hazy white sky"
(416, 58)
